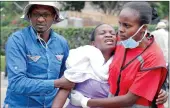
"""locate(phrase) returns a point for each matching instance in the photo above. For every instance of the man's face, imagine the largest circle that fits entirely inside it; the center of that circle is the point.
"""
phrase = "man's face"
(42, 17)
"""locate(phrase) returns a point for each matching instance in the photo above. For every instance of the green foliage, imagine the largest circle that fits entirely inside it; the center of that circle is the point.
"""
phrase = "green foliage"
(162, 8)
(107, 7)
(75, 36)
(72, 5)
(2, 63)
(151, 28)
(5, 33)
(11, 12)
(112, 7)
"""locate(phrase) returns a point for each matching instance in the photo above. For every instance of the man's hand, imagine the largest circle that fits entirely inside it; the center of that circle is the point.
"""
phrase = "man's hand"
(162, 97)
(63, 83)
(78, 99)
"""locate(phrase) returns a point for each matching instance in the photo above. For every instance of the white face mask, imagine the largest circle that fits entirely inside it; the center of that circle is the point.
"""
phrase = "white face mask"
(130, 42)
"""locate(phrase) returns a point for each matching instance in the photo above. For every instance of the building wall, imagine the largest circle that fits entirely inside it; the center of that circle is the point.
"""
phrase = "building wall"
(90, 16)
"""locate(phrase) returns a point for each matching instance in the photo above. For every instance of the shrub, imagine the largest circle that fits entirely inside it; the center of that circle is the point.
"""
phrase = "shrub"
(75, 36)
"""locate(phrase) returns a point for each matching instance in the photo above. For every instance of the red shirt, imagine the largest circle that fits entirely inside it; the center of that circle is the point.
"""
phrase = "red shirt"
(143, 77)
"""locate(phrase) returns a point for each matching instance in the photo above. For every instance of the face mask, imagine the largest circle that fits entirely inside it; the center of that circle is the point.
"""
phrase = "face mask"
(131, 43)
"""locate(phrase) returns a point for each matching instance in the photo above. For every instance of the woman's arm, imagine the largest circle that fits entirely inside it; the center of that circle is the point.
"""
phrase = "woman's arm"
(65, 88)
(60, 98)
(129, 99)
(120, 101)
(113, 102)
(63, 83)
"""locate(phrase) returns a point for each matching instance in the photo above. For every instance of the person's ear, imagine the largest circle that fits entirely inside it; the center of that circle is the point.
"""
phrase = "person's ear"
(54, 17)
(145, 27)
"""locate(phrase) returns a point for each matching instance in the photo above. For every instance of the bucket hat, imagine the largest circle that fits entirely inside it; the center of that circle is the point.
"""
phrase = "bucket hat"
(52, 4)
(161, 25)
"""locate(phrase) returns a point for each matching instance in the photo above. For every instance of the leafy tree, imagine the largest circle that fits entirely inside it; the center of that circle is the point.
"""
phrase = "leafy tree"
(11, 12)
(114, 7)
(72, 5)
(109, 7)
(162, 8)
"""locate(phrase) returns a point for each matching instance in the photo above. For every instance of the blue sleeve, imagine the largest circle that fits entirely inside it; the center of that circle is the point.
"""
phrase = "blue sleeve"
(66, 53)
(17, 66)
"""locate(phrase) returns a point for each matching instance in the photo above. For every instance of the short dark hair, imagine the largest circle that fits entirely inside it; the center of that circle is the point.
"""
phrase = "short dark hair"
(144, 9)
(93, 33)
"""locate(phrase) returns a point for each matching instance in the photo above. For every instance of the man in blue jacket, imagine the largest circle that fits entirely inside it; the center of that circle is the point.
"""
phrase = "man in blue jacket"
(35, 59)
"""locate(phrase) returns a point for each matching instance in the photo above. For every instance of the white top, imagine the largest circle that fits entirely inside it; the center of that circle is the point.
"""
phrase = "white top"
(161, 38)
(86, 62)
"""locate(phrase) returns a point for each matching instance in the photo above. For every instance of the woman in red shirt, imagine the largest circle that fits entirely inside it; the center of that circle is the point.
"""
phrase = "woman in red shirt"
(138, 69)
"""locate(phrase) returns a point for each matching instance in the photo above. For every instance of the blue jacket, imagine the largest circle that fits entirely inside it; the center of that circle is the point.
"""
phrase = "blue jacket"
(32, 68)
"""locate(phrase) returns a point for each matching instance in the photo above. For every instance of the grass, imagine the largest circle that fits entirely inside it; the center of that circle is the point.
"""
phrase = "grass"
(2, 63)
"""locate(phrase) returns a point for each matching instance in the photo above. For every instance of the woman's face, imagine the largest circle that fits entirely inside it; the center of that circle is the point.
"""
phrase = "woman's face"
(129, 24)
(105, 38)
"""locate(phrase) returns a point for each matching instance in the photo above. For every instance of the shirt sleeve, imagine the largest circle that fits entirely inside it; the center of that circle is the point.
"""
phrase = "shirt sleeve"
(146, 84)
(17, 66)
